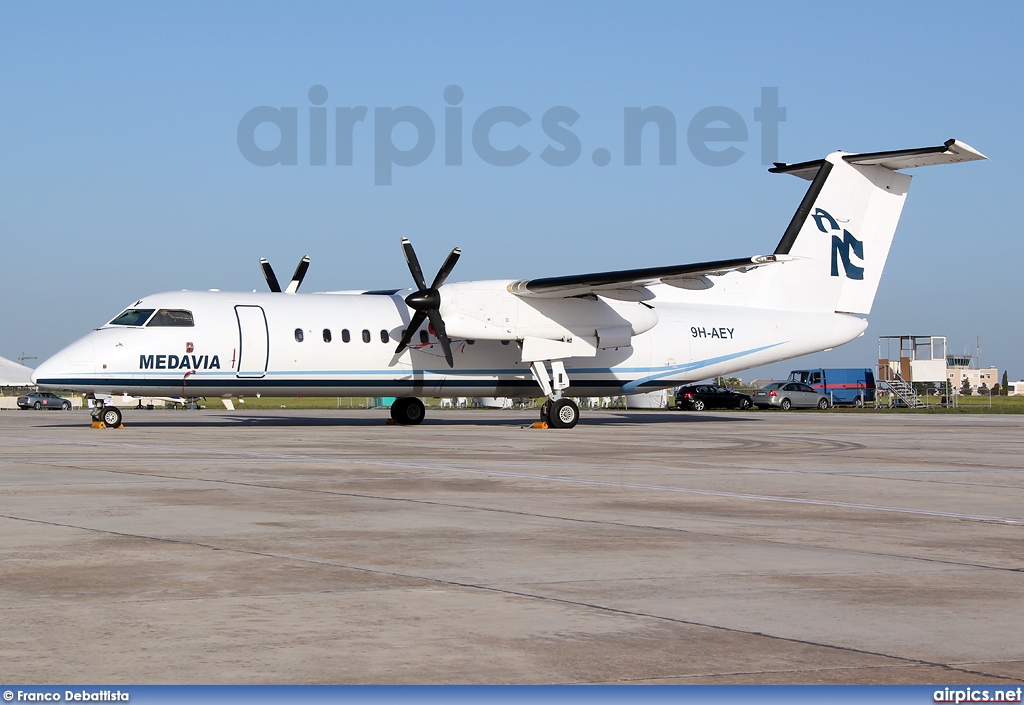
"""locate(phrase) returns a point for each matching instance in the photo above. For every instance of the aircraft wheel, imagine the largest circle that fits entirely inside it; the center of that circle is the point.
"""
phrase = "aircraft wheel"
(408, 411)
(111, 416)
(823, 403)
(786, 404)
(564, 414)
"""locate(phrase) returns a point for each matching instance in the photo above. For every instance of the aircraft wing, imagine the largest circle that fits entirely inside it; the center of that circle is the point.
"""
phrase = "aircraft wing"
(631, 284)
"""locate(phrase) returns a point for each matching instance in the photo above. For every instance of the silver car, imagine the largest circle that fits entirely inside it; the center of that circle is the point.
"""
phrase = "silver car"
(43, 400)
(789, 395)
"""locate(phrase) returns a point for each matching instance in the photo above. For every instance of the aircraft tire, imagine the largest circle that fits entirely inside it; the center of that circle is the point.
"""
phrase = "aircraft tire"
(111, 416)
(564, 414)
(545, 411)
(408, 411)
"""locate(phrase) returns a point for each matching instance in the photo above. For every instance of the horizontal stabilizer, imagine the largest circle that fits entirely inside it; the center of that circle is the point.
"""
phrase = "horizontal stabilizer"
(951, 152)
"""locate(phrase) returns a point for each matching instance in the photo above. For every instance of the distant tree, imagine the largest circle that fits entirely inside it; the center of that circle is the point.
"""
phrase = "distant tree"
(1006, 383)
(965, 387)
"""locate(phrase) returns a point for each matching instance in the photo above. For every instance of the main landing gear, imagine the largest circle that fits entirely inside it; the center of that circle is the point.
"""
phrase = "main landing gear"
(407, 411)
(557, 411)
(560, 413)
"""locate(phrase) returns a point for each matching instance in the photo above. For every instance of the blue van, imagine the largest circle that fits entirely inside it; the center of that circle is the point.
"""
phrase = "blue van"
(842, 385)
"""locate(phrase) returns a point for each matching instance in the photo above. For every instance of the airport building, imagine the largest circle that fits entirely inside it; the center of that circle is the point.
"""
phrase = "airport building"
(908, 360)
(960, 367)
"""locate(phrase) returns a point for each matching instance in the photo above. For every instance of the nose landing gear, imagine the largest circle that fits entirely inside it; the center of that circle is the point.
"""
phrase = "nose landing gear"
(104, 416)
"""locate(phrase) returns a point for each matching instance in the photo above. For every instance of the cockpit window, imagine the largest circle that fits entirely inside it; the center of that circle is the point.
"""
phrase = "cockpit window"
(133, 317)
(172, 318)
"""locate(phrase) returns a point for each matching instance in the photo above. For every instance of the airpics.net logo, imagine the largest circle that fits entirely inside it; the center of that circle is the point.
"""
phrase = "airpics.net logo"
(715, 136)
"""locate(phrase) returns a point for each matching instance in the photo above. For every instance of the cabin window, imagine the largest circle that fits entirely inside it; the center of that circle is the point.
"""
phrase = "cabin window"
(327, 335)
(366, 336)
(133, 317)
(171, 318)
(345, 337)
(298, 335)
(384, 337)
(424, 337)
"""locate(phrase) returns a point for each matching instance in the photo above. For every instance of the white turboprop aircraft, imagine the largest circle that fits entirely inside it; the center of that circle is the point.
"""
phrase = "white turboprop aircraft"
(599, 334)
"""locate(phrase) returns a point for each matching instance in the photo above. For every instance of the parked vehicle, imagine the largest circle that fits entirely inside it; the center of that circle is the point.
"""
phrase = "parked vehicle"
(852, 385)
(697, 397)
(789, 395)
(43, 400)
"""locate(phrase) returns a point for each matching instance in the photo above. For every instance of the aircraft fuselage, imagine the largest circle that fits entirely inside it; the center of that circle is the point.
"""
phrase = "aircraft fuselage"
(344, 345)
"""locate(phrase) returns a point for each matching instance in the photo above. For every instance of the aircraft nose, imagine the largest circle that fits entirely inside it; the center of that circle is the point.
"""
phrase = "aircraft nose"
(79, 356)
(44, 370)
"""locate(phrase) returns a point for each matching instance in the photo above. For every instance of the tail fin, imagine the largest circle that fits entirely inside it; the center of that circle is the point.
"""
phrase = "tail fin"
(841, 233)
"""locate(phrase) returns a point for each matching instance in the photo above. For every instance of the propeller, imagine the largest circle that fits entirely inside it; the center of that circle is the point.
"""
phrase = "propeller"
(426, 301)
(293, 286)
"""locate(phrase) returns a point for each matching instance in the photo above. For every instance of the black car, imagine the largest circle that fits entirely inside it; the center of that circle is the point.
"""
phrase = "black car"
(697, 397)
(43, 400)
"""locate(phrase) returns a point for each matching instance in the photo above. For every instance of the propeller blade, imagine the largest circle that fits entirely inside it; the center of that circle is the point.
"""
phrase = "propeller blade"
(414, 325)
(446, 268)
(426, 302)
(300, 274)
(414, 264)
(268, 274)
(442, 335)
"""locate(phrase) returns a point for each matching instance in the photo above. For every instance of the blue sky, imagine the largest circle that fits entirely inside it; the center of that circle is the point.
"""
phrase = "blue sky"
(122, 173)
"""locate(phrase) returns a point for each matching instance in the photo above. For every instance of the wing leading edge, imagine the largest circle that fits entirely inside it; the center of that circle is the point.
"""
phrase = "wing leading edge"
(631, 284)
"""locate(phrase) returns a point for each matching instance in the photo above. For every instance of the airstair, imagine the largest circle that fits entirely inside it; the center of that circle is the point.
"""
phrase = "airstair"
(904, 360)
(901, 391)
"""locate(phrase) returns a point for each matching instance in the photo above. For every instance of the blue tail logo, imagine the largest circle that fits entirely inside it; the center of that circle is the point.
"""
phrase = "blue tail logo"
(841, 247)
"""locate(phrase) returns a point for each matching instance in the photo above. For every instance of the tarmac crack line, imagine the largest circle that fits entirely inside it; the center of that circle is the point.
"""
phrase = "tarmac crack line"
(513, 593)
(597, 483)
(779, 671)
(537, 515)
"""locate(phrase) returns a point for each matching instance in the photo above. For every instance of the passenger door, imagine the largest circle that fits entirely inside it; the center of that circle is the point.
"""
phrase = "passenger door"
(253, 341)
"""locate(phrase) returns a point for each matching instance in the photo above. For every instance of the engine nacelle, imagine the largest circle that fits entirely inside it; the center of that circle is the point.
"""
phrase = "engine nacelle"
(486, 310)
